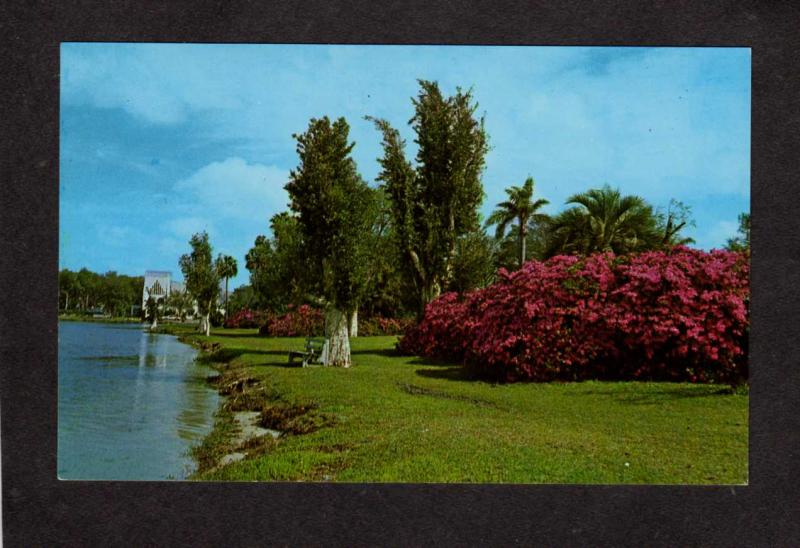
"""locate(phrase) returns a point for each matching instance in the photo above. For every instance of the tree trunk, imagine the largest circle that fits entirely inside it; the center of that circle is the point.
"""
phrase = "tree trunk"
(522, 243)
(451, 251)
(226, 298)
(428, 293)
(205, 323)
(155, 322)
(353, 324)
(338, 340)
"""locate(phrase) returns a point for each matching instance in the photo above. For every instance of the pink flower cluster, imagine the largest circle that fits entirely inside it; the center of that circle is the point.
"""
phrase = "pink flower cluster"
(246, 318)
(378, 325)
(308, 321)
(301, 321)
(680, 315)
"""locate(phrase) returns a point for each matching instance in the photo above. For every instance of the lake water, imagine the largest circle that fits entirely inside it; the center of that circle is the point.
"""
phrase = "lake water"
(130, 404)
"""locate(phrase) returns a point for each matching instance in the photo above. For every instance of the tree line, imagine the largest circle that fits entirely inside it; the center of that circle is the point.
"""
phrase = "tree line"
(419, 230)
(83, 291)
(393, 248)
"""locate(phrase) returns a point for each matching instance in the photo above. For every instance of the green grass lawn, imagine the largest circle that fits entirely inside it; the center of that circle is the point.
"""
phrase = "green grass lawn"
(405, 419)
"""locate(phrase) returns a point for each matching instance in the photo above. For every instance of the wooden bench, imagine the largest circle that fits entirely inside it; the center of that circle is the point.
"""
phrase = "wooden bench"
(311, 353)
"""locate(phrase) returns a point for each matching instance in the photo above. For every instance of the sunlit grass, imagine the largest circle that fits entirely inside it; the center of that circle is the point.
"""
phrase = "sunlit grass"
(406, 419)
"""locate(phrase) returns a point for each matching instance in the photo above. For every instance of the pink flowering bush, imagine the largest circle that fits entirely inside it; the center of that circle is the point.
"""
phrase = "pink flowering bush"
(443, 333)
(679, 315)
(246, 318)
(378, 325)
(301, 321)
(308, 321)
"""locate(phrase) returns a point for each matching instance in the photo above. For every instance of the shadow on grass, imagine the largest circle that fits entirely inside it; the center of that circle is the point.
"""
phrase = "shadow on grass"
(451, 373)
(422, 391)
(381, 352)
(222, 334)
(433, 362)
(659, 393)
(227, 355)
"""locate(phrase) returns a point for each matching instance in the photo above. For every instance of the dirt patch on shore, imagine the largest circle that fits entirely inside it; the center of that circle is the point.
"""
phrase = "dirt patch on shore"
(250, 427)
(295, 418)
(253, 418)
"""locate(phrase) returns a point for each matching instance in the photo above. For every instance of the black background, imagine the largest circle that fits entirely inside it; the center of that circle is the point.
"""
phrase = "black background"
(40, 510)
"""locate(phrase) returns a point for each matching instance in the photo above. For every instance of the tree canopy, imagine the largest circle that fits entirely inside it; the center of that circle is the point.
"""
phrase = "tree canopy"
(520, 207)
(116, 294)
(335, 210)
(603, 219)
(276, 264)
(226, 268)
(201, 277)
(436, 201)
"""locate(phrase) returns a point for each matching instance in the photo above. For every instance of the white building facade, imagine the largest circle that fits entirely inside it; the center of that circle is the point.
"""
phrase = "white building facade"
(157, 284)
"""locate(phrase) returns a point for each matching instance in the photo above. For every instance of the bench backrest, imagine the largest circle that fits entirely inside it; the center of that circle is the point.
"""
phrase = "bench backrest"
(315, 343)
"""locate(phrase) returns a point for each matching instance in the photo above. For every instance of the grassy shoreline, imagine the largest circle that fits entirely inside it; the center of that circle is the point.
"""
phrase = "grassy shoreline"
(91, 319)
(396, 418)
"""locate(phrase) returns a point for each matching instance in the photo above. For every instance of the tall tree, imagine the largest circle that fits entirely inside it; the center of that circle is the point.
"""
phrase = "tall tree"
(387, 291)
(742, 241)
(474, 262)
(335, 210)
(201, 277)
(243, 297)
(536, 244)
(604, 220)
(151, 310)
(276, 264)
(66, 286)
(226, 269)
(521, 207)
(437, 201)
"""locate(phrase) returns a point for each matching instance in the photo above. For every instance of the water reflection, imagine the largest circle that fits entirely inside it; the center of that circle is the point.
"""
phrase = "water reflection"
(134, 422)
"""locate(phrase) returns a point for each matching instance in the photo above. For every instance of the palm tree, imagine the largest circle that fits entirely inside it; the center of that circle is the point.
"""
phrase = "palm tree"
(604, 220)
(670, 224)
(519, 207)
(226, 268)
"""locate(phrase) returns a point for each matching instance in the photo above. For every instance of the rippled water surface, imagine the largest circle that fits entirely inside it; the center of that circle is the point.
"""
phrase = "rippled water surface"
(130, 403)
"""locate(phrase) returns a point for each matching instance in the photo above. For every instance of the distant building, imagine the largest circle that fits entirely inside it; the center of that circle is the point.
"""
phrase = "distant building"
(157, 284)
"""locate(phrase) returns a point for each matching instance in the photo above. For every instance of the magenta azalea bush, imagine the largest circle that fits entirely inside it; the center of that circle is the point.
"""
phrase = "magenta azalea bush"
(308, 321)
(246, 318)
(301, 321)
(378, 325)
(680, 315)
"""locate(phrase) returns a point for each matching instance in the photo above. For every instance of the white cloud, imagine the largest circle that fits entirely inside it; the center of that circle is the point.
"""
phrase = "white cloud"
(184, 227)
(236, 189)
(140, 79)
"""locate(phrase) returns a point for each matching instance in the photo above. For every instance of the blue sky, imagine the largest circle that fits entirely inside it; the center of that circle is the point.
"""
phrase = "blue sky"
(159, 141)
